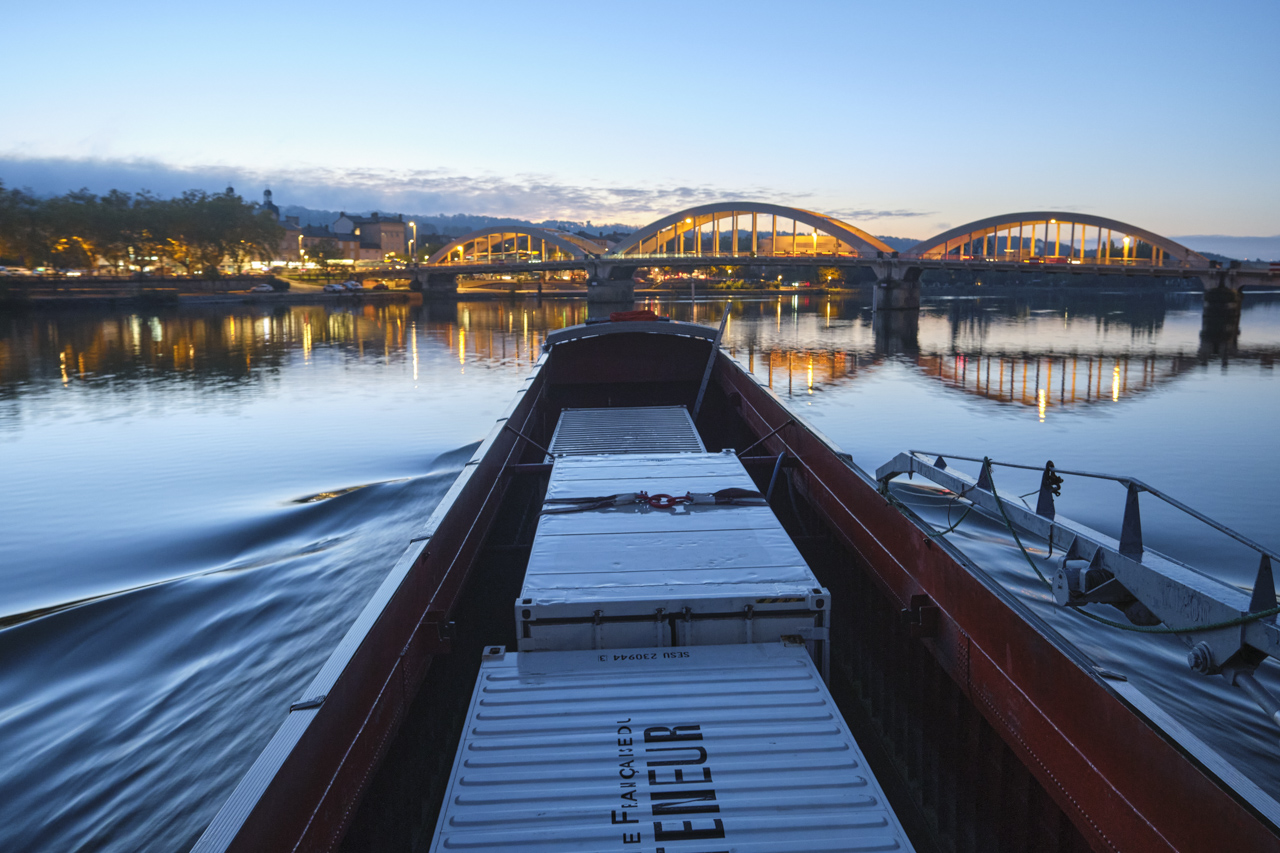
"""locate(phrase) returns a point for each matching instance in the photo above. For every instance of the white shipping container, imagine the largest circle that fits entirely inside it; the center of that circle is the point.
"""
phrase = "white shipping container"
(711, 748)
(632, 576)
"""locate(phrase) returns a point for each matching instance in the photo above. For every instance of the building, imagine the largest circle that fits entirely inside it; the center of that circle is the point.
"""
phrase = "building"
(376, 233)
(269, 206)
(307, 237)
(358, 238)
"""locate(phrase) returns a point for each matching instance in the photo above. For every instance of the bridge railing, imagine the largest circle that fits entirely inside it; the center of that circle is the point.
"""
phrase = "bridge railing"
(499, 260)
(1057, 260)
(727, 259)
(742, 256)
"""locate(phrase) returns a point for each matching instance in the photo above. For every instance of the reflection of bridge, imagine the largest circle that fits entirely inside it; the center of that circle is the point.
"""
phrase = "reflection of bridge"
(769, 237)
(1046, 382)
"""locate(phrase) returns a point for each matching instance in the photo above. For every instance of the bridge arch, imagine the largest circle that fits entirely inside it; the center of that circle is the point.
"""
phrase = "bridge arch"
(1058, 235)
(515, 243)
(683, 234)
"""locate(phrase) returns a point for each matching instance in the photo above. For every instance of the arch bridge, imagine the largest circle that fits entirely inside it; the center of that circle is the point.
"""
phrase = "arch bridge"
(761, 235)
(514, 244)
(1056, 236)
(749, 229)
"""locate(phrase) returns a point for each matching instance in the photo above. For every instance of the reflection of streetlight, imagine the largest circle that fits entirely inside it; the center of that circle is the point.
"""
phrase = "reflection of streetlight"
(413, 249)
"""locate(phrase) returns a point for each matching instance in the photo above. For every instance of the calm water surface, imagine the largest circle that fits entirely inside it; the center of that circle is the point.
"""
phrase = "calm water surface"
(197, 503)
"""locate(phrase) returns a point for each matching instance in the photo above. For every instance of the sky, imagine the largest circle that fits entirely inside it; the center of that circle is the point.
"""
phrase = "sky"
(904, 118)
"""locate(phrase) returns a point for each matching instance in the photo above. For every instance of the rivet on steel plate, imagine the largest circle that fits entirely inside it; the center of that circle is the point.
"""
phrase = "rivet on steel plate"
(1200, 658)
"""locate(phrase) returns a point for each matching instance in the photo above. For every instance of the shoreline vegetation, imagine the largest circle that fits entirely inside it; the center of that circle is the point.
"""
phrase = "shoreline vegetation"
(197, 233)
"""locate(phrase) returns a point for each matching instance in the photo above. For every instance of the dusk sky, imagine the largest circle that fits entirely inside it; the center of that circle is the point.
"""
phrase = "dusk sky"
(905, 118)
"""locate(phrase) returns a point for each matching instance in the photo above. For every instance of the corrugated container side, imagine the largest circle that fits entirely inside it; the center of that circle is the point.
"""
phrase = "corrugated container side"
(649, 429)
(711, 748)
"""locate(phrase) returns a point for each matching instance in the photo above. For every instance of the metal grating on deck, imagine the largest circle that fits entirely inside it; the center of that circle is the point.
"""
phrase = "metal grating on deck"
(654, 429)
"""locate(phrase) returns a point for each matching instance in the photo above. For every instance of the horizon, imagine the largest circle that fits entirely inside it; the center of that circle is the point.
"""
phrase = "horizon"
(1236, 247)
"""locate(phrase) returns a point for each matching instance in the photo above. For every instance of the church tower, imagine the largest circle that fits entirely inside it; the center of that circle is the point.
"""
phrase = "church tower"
(268, 205)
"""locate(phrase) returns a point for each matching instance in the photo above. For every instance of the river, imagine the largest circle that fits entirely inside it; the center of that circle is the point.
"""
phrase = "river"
(197, 502)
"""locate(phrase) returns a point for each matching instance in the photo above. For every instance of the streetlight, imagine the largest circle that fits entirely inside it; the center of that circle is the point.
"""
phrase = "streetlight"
(299, 250)
(1126, 249)
(413, 249)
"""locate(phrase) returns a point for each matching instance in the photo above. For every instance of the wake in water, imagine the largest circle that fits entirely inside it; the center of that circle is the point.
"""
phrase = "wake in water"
(130, 715)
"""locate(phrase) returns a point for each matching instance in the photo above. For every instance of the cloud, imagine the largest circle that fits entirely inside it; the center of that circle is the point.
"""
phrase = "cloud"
(851, 214)
(420, 191)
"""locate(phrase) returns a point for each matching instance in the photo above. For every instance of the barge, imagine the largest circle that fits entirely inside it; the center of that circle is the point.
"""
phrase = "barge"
(977, 725)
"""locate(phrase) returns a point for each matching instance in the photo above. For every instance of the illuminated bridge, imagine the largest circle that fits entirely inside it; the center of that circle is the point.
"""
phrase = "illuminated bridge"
(764, 237)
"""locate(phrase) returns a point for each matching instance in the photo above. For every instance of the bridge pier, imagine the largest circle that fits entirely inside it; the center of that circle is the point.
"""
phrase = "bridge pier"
(610, 283)
(1223, 287)
(896, 332)
(438, 285)
(897, 286)
(1223, 298)
(612, 292)
(1220, 320)
(1219, 333)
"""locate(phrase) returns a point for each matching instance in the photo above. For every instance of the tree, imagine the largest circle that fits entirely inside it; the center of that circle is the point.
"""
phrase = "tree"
(832, 276)
(196, 230)
(24, 229)
(324, 253)
(112, 227)
(255, 236)
(144, 231)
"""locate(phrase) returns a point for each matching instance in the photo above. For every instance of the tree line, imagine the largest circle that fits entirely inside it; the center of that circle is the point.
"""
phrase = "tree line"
(196, 232)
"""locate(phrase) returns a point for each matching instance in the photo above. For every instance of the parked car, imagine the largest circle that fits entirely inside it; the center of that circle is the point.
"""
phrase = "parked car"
(334, 287)
(352, 284)
(262, 288)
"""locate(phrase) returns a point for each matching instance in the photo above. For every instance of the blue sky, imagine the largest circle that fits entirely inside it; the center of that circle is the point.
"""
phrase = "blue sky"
(905, 118)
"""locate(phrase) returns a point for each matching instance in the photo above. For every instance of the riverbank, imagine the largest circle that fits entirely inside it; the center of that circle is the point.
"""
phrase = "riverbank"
(22, 295)
(149, 294)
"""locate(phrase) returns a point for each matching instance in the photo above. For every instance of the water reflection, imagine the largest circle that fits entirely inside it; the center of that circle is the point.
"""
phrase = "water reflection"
(225, 348)
(1040, 352)
(1043, 353)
